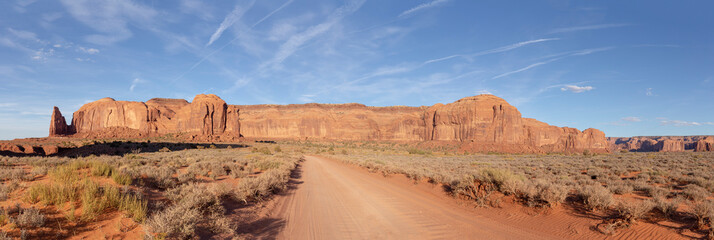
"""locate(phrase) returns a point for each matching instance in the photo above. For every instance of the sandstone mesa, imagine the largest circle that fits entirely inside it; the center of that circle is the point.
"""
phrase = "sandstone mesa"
(483, 123)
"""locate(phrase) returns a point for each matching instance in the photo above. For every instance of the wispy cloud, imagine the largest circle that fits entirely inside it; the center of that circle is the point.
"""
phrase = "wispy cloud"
(588, 27)
(229, 20)
(110, 18)
(556, 57)
(680, 123)
(296, 41)
(422, 6)
(271, 13)
(196, 7)
(88, 50)
(576, 89)
(648, 92)
(631, 119)
(306, 98)
(525, 68)
(4, 105)
(491, 51)
(135, 82)
(26, 35)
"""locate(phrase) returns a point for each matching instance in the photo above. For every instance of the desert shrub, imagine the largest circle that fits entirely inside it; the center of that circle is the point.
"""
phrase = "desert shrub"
(4, 192)
(201, 203)
(497, 177)
(277, 149)
(38, 171)
(30, 217)
(175, 222)
(261, 186)
(631, 211)
(11, 174)
(666, 208)
(418, 151)
(161, 175)
(595, 197)
(695, 192)
(657, 192)
(703, 211)
(620, 188)
(263, 150)
(549, 194)
(268, 164)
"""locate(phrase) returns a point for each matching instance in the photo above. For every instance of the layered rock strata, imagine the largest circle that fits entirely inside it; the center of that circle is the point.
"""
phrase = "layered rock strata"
(480, 123)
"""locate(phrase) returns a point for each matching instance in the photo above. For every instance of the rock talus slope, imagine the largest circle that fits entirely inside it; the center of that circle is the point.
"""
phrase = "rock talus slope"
(480, 123)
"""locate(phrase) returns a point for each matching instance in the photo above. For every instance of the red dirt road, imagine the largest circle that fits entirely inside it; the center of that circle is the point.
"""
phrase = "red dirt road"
(334, 201)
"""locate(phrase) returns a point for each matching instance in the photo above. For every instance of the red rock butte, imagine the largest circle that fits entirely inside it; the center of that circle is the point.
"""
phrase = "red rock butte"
(483, 123)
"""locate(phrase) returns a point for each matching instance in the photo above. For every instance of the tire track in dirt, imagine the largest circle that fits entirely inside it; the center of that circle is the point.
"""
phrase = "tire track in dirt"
(334, 201)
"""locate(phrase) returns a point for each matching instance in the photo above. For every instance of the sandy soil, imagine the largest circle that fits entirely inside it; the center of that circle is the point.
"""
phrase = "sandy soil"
(334, 201)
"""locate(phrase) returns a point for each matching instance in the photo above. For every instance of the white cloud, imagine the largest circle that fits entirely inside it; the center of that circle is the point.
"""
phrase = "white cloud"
(484, 91)
(680, 123)
(89, 50)
(648, 92)
(229, 20)
(306, 98)
(631, 119)
(110, 18)
(42, 54)
(587, 27)
(576, 89)
(134, 83)
(422, 6)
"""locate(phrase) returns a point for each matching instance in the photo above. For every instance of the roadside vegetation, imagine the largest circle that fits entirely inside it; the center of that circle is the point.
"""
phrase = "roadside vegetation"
(621, 189)
(174, 192)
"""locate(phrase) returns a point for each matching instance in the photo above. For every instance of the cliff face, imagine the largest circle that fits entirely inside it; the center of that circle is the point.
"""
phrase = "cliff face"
(661, 143)
(479, 123)
(704, 145)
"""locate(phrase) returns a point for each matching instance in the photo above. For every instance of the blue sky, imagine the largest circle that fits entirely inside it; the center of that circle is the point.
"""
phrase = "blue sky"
(625, 67)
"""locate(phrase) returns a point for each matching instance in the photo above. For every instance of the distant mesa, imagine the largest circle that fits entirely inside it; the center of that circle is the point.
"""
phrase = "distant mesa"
(483, 123)
(662, 143)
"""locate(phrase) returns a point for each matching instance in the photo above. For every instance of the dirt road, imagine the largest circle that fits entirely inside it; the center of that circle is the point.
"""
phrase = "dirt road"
(335, 201)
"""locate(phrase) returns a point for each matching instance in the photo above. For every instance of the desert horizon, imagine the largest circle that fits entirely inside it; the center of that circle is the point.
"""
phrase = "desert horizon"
(356, 119)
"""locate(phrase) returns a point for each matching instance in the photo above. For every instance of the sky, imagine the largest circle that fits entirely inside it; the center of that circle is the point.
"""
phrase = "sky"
(629, 68)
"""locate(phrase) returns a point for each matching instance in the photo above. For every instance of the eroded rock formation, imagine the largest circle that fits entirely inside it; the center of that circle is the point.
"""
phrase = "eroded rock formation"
(58, 125)
(704, 145)
(660, 143)
(480, 123)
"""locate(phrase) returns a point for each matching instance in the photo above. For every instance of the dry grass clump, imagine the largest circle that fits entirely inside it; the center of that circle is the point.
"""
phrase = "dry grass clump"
(30, 217)
(595, 197)
(194, 205)
(543, 194)
(665, 207)
(695, 193)
(271, 181)
(703, 211)
(631, 211)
